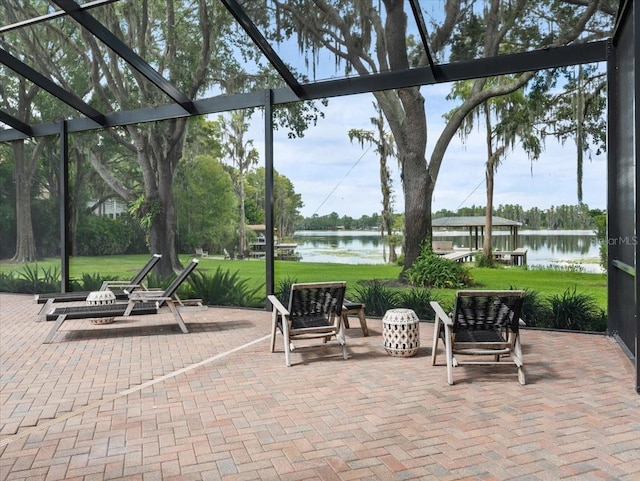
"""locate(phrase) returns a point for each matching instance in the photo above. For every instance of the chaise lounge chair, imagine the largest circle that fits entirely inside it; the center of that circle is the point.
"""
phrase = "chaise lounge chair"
(139, 303)
(483, 323)
(314, 312)
(122, 291)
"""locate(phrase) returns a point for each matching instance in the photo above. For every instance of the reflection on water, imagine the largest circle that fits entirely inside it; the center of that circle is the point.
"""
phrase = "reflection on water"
(340, 247)
(544, 248)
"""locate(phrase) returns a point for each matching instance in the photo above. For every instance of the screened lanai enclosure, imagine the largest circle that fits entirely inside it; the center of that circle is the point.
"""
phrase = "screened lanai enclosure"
(145, 112)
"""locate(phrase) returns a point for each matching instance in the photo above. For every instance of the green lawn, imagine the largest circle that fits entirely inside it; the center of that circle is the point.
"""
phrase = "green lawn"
(546, 282)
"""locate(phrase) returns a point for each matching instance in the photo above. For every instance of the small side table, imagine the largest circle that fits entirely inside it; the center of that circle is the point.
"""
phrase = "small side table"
(349, 307)
(401, 332)
(100, 298)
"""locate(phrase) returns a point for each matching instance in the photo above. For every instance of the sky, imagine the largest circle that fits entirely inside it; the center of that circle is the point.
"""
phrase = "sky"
(334, 175)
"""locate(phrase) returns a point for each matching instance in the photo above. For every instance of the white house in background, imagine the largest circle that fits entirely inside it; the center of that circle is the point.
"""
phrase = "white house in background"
(110, 208)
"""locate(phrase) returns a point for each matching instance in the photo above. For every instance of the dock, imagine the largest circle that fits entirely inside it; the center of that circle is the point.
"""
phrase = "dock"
(461, 255)
(517, 257)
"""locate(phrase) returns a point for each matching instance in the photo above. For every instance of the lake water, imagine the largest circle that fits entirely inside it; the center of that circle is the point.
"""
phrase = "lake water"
(544, 248)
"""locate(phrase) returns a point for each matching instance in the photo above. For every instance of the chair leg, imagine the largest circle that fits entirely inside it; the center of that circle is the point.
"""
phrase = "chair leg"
(449, 349)
(61, 318)
(517, 359)
(361, 317)
(436, 335)
(274, 328)
(287, 343)
(521, 377)
(176, 315)
(363, 322)
(340, 336)
(42, 315)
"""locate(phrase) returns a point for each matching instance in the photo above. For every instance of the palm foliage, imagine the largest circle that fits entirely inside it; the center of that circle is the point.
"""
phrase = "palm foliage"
(223, 288)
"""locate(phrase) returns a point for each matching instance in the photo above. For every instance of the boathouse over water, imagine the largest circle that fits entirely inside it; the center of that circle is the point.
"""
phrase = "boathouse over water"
(475, 225)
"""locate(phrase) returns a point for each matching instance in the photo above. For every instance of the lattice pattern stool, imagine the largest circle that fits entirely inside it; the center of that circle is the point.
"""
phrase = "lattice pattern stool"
(349, 307)
(99, 298)
(401, 332)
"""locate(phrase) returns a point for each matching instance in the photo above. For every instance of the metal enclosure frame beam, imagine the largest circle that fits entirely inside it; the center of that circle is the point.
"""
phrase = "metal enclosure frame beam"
(52, 15)
(269, 189)
(265, 47)
(424, 35)
(22, 69)
(106, 36)
(535, 60)
(15, 123)
(635, 20)
(65, 217)
(623, 155)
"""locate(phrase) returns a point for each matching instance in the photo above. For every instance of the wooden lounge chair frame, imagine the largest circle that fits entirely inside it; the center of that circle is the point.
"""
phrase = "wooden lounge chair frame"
(314, 312)
(139, 303)
(122, 291)
(483, 323)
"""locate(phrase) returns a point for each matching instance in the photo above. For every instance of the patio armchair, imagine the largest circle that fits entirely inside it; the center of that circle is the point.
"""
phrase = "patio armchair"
(139, 303)
(314, 311)
(120, 289)
(483, 323)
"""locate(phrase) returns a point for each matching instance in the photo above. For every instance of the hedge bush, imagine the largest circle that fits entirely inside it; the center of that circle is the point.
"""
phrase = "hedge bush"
(99, 236)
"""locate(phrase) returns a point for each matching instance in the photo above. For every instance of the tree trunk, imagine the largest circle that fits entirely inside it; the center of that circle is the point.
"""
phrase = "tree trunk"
(393, 257)
(409, 130)
(162, 236)
(488, 225)
(417, 213)
(410, 134)
(159, 149)
(25, 242)
(24, 168)
(489, 176)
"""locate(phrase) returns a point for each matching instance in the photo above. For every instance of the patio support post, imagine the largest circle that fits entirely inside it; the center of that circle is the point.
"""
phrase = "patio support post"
(623, 203)
(635, 18)
(64, 207)
(268, 189)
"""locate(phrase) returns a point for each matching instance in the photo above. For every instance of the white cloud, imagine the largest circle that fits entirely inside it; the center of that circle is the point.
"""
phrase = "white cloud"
(335, 175)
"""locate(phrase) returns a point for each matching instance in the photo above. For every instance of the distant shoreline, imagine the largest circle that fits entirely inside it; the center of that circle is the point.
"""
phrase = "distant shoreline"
(441, 233)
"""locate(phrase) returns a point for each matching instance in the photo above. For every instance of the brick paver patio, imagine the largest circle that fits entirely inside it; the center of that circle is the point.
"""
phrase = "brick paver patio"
(138, 399)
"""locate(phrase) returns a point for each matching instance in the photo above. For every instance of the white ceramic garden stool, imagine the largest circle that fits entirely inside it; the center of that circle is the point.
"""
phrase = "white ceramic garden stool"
(100, 298)
(401, 332)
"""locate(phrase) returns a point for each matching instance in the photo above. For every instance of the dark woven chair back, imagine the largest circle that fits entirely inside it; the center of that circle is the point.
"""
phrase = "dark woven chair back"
(487, 310)
(315, 302)
(173, 287)
(144, 272)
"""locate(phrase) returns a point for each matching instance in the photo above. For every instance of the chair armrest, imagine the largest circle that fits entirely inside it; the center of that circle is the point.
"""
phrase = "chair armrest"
(190, 302)
(277, 305)
(149, 296)
(151, 299)
(440, 313)
(146, 295)
(159, 301)
(122, 284)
